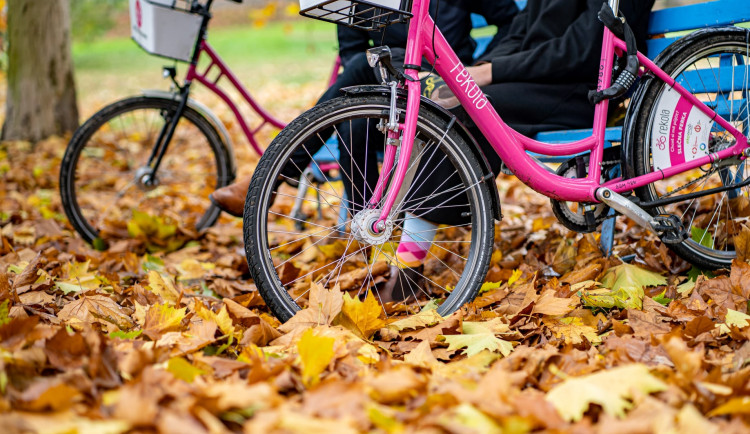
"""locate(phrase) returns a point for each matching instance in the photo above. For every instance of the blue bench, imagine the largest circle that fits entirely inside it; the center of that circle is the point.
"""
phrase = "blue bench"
(665, 27)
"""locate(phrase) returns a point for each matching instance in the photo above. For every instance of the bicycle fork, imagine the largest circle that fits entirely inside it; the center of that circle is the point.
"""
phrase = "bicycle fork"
(399, 150)
(165, 137)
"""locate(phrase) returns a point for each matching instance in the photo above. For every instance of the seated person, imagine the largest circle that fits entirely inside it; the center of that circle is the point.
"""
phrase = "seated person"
(537, 78)
(455, 22)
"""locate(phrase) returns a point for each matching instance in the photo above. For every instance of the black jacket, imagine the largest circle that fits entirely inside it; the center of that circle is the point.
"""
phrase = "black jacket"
(559, 41)
(454, 21)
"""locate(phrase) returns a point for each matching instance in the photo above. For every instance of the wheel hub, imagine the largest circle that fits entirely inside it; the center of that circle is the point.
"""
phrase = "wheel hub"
(144, 180)
(363, 228)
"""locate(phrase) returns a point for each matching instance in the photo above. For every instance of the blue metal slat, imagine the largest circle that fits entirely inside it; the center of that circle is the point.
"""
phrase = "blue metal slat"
(714, 13)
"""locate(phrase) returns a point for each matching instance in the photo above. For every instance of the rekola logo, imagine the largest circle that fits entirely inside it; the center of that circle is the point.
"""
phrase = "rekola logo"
(469, 86)
(138, 13)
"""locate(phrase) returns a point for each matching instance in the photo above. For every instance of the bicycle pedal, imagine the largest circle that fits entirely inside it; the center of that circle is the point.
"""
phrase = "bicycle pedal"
(670, 229)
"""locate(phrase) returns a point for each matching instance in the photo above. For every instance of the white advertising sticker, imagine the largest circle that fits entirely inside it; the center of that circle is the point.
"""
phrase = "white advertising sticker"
(680, 131)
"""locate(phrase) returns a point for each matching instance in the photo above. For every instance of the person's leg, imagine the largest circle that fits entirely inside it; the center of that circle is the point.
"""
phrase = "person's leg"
(526, 107)
(231, 198)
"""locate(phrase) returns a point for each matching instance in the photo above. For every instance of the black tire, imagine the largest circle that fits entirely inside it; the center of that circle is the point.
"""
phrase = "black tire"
(711, 221)
(98, 183)
(265, 199)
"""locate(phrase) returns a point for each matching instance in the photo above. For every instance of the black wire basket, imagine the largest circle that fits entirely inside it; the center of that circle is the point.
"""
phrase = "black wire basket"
(360, 14)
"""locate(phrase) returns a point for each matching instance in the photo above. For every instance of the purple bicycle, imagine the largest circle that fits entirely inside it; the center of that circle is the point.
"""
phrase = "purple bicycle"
(682, 166)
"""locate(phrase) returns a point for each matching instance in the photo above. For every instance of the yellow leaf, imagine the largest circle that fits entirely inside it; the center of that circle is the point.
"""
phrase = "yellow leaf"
(162, 287)
(476, 343)
(495, 326)
(183, 370)
(572, 329)
(738, 405)
(224, 322)
(316, 353)
(362, 318)
(162, 318)
(489, 286)
(190, 269)
(734, 318)
(222, 319)
(627, 275)
(384, 417)
(466, 418)
(514, 277)
(424, 318)
(79, 278)
(625, 297)
(611, 389)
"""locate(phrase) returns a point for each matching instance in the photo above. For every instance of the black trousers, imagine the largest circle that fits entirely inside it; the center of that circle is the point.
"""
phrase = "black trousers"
(526, 107)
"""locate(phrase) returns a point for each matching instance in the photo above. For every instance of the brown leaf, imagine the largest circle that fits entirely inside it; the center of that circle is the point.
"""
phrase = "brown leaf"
(742, 244)
(548, 304)
(48, 394)
(14, 334)
(66, 351)
(699, 325)
(323, 307)
(646, 324)
(29, 274)
(90, 309)
(396, 386)
(589, 272)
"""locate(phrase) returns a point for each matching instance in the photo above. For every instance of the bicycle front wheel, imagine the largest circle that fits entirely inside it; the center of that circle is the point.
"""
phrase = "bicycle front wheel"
(104, 176)
(713, 66)
(320, 231)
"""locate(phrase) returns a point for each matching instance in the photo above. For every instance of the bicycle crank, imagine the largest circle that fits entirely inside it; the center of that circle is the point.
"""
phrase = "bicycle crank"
(667, 227)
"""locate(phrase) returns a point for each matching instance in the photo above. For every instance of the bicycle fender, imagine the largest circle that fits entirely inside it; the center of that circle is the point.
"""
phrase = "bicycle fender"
(448, 117)
(204, 111)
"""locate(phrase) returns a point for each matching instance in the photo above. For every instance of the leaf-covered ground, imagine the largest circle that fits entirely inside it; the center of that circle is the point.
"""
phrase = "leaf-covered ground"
(560, 339)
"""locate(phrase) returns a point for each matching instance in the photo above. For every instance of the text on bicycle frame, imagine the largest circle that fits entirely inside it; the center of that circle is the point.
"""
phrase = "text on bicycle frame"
(469, 86)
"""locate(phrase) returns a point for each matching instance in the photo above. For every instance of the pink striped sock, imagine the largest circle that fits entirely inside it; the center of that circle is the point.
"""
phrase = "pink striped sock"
(416, 239)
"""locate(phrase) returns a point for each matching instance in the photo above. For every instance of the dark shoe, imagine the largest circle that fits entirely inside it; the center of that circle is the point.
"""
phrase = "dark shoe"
(403, 283)
(231, 199)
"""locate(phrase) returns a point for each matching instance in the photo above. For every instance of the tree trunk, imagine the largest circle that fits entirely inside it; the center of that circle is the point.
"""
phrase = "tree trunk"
(41, 98)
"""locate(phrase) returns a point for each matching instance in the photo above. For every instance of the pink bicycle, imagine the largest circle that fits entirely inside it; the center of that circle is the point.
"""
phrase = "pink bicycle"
(682, 165)
(147, 163)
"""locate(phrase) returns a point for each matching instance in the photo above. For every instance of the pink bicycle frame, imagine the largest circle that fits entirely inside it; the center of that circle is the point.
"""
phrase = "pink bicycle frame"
(512, 146)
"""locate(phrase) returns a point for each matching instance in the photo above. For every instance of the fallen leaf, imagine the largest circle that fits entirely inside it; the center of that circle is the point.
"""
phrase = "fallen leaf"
(90, 309)
(316, 353)
(548, 304)
(362, 318)
(611, 389)
(163, 287)
(183, 370)
(572, 330)
(162, 318)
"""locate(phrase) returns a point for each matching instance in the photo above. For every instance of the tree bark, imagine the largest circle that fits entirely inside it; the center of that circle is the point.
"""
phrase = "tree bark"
(41, 98)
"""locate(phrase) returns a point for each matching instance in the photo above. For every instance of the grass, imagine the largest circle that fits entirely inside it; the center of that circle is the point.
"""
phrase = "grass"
(242, 46)
(288, 54)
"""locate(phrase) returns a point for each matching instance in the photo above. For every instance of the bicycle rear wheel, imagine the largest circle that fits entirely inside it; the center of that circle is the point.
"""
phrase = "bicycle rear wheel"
(713, 66)
(334, 248)
(104, 171)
